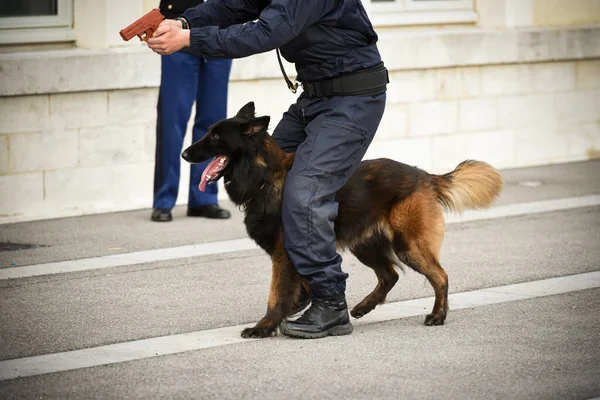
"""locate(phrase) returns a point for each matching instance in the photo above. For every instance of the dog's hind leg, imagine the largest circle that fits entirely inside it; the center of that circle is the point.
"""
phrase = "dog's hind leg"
(418, 224)
(286, 288)
(386, 277)
(426, 264)
(422, 255)
(439, 280)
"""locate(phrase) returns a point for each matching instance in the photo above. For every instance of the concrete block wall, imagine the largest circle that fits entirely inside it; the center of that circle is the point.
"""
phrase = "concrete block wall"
(511, 115)
(75, 152)
(90, 152)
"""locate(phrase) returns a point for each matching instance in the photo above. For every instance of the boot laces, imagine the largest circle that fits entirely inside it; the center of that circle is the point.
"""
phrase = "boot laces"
(315, 308)
(318, 306)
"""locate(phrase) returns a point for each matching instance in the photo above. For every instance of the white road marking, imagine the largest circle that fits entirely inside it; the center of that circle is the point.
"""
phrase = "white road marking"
(173, 344)
(120, 260)
(536, 207)
(229, 246)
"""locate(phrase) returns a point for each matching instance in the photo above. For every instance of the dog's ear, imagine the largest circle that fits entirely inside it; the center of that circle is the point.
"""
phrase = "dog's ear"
(246, 112)
(257, 125)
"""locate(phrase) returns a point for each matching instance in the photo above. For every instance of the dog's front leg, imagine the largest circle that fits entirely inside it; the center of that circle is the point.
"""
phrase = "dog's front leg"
(283, 296)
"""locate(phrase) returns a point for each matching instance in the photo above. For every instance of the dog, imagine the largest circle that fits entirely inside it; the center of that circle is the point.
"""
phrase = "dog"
(389, 215)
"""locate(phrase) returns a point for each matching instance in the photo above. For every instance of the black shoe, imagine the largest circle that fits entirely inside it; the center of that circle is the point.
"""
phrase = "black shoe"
(161, 215)
(209, 211)
(325, 317)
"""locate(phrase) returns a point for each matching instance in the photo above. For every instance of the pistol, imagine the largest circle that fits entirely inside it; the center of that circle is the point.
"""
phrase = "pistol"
(144, 27)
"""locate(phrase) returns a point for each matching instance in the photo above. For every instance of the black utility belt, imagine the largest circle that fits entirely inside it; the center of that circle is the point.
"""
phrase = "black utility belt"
(367, 82)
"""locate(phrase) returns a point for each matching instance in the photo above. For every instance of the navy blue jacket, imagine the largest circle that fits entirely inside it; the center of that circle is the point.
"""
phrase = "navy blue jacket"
(174, 8)
(323, 38)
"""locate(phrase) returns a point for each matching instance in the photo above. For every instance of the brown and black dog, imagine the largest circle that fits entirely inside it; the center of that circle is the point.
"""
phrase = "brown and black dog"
(389, 214)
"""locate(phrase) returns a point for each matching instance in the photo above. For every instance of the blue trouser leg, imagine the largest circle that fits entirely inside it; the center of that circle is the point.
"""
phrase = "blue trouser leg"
(178, 86)
(335, 136)
(211, 106)
(289, 132)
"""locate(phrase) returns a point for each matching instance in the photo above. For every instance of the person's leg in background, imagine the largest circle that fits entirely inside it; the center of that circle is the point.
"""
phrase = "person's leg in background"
(339, 131)
(179, 82)
(211, 107)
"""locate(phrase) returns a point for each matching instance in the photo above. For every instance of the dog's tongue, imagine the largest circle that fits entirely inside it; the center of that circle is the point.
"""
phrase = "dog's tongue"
(211, 170)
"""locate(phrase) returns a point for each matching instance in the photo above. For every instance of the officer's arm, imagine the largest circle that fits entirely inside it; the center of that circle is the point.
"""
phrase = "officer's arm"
(224, 13)
(278, 23)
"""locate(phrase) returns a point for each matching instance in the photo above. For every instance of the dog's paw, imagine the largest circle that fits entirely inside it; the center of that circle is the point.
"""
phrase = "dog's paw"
(258, 332)
(360, 310)
(435, 319)
(357, 313)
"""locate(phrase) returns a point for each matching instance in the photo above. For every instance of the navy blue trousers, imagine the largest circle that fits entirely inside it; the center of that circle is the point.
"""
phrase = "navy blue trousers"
(185, 79)
(330, 136)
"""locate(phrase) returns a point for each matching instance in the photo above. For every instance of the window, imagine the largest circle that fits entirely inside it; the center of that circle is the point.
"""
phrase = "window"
(421, 12)
(36, 21)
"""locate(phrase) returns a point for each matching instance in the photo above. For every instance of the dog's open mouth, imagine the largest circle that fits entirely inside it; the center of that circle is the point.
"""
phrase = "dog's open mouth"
(213, 171)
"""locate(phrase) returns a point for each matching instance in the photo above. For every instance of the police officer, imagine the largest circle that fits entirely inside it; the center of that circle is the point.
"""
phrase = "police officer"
(185, 78)
(333, 46)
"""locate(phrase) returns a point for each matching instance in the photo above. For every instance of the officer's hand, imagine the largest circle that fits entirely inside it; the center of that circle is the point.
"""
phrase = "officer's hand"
(170, 22)
(169, 38)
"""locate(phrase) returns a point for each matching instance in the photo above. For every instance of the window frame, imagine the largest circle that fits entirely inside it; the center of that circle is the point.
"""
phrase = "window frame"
(424, 12)
(39, 28)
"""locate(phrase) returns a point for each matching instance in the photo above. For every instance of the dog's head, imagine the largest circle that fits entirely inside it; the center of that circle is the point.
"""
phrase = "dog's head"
(227, 141)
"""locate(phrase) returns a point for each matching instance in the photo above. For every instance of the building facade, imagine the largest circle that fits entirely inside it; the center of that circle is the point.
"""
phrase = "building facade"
(512, 82)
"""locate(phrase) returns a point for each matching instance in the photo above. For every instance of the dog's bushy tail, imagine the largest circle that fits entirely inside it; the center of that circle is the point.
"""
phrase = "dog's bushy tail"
(472, 185)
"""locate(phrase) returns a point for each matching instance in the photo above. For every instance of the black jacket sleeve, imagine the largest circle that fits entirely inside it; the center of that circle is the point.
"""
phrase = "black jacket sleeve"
(224, 13)
(277, 24)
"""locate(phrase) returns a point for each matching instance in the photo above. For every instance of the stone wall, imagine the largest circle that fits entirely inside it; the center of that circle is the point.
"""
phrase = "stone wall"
(511, 115)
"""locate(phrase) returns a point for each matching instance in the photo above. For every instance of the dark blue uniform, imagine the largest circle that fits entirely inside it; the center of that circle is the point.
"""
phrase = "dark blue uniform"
(186, 78)
(330, 135)
(323, 38)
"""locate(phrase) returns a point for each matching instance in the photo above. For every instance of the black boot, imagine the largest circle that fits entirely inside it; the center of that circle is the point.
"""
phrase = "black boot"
(325, 317)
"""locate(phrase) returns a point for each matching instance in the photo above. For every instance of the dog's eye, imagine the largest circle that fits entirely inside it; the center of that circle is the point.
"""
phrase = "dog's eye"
(214, 136)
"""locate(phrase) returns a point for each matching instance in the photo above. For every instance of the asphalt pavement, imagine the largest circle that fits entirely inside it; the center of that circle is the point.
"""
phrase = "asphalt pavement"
(542, 346)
